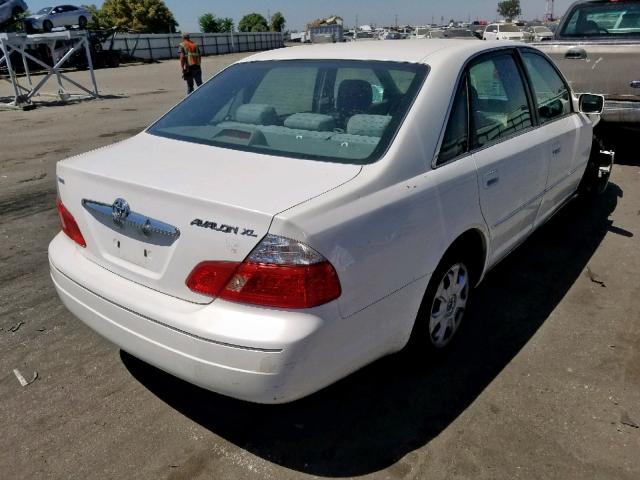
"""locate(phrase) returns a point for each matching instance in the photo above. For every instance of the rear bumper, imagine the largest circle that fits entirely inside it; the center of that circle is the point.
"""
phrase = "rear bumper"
(254, 354)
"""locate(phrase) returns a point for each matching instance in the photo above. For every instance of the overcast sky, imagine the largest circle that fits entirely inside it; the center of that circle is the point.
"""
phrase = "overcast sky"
(380, 12)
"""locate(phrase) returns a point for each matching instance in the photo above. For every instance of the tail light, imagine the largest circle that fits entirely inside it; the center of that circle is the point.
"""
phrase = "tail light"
(279, 272)
(69, 225)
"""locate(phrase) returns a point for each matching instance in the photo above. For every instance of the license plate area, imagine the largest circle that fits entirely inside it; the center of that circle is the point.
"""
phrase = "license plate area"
(131, 251)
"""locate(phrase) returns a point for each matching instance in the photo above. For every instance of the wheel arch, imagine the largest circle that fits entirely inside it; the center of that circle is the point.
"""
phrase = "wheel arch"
(473, 244)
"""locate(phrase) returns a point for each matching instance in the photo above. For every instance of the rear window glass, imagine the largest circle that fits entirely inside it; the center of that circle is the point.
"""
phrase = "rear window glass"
(617, 19)
(509, 28)
(331, 110)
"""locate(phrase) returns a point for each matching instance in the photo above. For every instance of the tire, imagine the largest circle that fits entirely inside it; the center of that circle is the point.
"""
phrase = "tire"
(47, 26)
(82, 23)
(443, 306)
(598, 172)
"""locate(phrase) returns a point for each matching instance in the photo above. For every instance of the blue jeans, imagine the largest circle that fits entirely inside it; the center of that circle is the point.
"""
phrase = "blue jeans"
(193, 75)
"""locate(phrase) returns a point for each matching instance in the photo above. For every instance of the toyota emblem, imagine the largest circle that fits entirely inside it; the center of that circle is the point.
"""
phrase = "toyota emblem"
(120, 210)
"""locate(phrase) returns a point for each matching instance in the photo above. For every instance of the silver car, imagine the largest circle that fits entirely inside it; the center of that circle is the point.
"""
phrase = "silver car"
(48, 18)
(10, 10)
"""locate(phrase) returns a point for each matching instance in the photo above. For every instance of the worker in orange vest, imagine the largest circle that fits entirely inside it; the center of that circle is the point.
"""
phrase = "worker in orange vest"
(190, 57)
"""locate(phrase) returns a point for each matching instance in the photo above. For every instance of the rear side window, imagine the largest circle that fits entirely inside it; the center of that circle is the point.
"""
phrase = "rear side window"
(552, 95)
(332, 110)
(498, 101)
(455, 141)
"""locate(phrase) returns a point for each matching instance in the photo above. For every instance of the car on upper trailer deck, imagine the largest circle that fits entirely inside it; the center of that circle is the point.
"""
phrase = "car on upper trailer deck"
(309, 210)
(48, 18)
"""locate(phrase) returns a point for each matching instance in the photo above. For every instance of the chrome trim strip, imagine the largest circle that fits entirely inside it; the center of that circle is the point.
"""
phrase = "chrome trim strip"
(134, 225)
(170, 327)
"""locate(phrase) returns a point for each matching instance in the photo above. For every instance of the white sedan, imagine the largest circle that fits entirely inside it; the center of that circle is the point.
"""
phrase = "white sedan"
(309, 210)
(48, 18)
(503, 31)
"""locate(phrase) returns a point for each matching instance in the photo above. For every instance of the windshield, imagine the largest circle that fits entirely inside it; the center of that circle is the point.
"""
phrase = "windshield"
(604, 20)
(44, 11)
(331, 110)
(509, 28)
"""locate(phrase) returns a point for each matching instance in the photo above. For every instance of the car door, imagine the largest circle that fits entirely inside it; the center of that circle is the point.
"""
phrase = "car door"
(57, 17)
(564, 130)
(509, 152)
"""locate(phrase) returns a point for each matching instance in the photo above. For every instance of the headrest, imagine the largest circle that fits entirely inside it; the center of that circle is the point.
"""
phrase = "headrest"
(256, 114)
(310, 121)
(354, 95)
(368, 125)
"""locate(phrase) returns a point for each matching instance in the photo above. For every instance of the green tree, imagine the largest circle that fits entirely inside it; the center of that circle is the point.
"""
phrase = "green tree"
(253, 22)
(225, 25)
(149, 16)
(99, 19)
(209, 23)
(509, 9)
(277, 22)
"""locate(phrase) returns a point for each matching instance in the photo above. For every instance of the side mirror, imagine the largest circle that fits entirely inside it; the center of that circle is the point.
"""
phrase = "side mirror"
(592, 104)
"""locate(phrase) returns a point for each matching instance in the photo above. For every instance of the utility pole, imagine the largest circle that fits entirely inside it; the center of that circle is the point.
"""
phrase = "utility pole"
(396, 21)
(548, 16)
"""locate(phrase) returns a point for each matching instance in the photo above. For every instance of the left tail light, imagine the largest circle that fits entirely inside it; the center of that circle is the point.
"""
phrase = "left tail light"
(69, 224)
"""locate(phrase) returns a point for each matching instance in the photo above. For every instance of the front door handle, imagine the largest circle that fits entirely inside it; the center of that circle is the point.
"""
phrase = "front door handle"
(576, 53)
(556, 149)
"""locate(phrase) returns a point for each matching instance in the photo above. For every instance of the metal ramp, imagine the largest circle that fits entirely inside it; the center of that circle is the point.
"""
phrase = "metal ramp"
(62, 46)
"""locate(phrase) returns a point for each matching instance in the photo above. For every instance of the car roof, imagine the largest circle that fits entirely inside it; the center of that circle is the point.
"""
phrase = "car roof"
(411, 51)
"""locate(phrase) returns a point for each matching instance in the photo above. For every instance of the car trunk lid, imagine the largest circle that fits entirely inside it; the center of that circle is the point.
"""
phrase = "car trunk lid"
(152, 208)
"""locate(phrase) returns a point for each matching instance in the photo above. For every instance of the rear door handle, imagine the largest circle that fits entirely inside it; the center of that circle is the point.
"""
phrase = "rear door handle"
(556, 148)
(635, 84)
(491, 178)
(576, 54)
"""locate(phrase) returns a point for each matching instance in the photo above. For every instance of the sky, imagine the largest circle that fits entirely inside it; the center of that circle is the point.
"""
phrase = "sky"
(378, 12)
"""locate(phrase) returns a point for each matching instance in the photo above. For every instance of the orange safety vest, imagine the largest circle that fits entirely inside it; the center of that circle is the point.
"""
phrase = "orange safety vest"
(191, 51)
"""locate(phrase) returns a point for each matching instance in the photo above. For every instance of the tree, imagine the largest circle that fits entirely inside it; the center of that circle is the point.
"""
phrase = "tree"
(253, 22)
(209, 23)
(509, 9)
(225, 25)
(149, 16)
(99, 19)
(277, 22)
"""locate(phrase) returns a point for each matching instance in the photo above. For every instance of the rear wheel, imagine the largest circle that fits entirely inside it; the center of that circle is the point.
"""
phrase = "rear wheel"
(82, 23)
(47, 26)
(443, 306)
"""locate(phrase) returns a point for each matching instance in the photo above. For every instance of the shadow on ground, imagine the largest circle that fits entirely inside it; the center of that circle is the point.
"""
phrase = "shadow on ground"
(376, 416)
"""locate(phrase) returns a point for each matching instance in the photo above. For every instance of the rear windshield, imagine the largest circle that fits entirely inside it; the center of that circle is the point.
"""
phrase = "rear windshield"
(331, 110)
(608, 20)
(509, 28)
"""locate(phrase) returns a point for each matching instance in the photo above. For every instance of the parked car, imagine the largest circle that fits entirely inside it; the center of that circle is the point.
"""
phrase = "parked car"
(597, 46)
(10, 11)
(537, 33)
(503, 31)
(458, 33)
(49, 18)
(263, 244)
